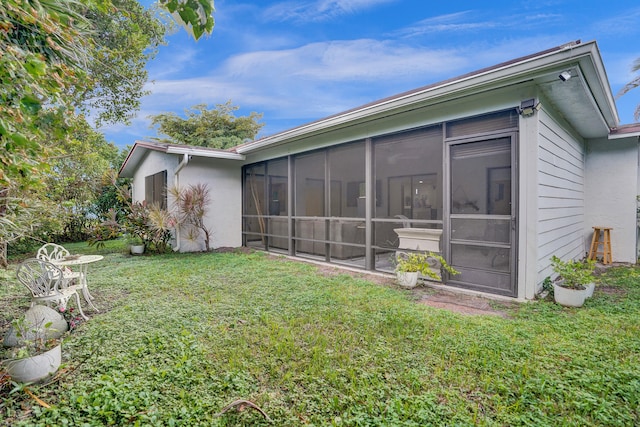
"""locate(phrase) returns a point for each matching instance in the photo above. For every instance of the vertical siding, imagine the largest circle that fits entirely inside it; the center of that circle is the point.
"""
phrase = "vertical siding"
(561, 194)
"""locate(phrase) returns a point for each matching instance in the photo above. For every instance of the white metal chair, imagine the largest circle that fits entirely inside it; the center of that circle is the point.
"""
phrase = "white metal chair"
(54, 252)
(44, 280)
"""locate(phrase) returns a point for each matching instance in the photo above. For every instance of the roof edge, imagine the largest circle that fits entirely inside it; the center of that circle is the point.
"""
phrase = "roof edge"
(364, 110)
(133, 159)
(625, 131)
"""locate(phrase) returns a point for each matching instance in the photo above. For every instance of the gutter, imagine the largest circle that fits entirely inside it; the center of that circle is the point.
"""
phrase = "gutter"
(176, 184)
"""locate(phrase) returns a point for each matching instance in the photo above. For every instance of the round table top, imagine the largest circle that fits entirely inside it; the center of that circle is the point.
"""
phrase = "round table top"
(82, 259)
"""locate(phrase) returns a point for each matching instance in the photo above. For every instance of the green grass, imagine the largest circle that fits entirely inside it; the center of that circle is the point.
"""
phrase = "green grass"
(182, 335)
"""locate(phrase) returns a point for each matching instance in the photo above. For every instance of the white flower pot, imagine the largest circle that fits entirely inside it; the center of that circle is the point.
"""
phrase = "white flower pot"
(569, 297)
(590, 288)
(36, 368)
(137, 249)
(407, 279)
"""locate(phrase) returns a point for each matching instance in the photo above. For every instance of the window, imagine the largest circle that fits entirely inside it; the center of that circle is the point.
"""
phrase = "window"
(155, 189)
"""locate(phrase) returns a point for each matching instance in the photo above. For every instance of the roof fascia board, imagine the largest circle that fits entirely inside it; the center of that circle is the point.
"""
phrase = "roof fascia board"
(141, 147)
(595, 77)
(204, 153)
(624, 135)
(508, 74)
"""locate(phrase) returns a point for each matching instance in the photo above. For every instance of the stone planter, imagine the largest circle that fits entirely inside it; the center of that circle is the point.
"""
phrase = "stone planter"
(421, 239)
(569, 297)
(35, 368)
(407, 279)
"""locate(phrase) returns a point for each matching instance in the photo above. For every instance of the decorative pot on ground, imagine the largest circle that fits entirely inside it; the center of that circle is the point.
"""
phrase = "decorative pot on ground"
(33, 343)
(35, 368)
(575, 281)
(590, 288)
(407, 279)
(136, 249)
(410, 265)
(569, 297)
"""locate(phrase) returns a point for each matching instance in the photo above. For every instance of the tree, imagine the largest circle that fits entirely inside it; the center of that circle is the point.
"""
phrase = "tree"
(216, 128)
(195, 15)
(66, 54)
(75, 179)
(126, 37)
(41, 60)
(60, 55)
(632, 85)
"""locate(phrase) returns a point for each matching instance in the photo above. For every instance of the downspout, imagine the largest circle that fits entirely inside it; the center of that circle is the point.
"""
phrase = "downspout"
(176, 184)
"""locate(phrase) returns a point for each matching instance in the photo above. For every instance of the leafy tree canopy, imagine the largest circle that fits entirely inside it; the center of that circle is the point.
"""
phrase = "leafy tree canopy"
(215, 128)
(58, 56)
(125, 37)
(195, 15)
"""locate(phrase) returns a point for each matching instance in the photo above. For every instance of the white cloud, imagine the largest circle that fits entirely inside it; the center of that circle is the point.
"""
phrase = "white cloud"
(349, 60)
(624, 24)
(319, 79)
(181, 60)
(319, 10)
(453, 22)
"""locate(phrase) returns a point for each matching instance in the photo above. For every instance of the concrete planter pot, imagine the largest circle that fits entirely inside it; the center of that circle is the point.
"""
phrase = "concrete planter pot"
(136, 249)
(590, 288)
(35, 368)
(568, 297)
(407, 279)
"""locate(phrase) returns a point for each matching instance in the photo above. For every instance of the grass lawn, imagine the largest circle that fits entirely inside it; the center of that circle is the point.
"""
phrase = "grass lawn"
(182, 335)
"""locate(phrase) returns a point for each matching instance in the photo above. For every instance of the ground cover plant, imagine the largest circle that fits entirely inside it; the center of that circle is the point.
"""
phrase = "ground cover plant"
(180, 336)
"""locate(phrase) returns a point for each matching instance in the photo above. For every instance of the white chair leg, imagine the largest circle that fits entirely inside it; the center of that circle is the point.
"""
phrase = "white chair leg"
(80, 307)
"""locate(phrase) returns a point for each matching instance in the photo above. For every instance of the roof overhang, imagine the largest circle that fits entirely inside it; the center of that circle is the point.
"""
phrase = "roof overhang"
(141, 148)
(585, 100)
(626, 131)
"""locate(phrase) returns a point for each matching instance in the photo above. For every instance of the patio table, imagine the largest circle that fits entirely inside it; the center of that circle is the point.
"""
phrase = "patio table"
(82, 262)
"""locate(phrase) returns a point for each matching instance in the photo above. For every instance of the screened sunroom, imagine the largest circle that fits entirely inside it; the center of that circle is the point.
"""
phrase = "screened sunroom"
(446, 188)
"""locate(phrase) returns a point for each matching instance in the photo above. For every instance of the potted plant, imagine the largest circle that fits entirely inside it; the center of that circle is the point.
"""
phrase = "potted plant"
(37, 354)
(575, 281)
(136, 245)
(410, 265)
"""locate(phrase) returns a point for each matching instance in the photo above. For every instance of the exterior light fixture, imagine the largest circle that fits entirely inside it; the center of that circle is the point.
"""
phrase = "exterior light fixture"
(564, 76)
(528, 107)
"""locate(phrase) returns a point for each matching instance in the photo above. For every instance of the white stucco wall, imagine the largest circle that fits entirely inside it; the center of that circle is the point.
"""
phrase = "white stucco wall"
(153, 162)
(612, 187)
(223, 178)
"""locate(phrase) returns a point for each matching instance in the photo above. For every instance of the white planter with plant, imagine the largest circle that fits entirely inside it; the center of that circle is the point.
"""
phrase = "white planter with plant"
(574, 283)
(36, 356)
(136, 245)
(34, 368)
(409, 265)
(136, 249)
(407, 279)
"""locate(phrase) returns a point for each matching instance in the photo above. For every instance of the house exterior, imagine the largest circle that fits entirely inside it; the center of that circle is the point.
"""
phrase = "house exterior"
(497, 170)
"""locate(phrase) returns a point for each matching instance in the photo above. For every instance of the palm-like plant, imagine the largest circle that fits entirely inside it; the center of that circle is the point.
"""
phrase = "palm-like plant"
(632, 85)
(191, 206)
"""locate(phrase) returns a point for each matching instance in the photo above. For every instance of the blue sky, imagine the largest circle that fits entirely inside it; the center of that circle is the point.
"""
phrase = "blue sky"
(298, 61)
